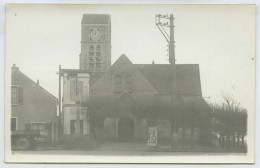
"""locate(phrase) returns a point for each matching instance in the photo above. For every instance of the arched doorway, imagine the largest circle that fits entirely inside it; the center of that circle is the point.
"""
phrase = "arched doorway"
(125, 130)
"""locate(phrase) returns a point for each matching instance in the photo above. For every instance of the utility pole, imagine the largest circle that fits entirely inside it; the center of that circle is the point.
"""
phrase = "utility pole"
(59, 118)
(162, 22)
(77, 126)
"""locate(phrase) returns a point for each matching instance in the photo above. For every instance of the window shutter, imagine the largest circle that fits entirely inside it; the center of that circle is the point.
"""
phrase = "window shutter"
(20, 95)
(13, 124)
(72, 90)
(80, 88)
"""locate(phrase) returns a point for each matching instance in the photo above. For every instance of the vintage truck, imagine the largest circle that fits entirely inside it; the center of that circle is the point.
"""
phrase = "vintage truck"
(25, 139)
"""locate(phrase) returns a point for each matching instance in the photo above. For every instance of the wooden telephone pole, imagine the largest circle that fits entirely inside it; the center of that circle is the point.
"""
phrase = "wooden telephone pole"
(59, 114)
(78, 102)
(162, 22)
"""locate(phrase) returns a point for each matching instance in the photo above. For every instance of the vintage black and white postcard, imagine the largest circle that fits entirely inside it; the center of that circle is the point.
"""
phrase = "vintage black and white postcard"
(130, 83)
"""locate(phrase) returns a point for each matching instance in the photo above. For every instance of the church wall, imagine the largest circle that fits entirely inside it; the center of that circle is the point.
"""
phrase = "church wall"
(164, 129)
(105, 55)
(137, 129)
(110, 128)
(140, 129)
(141, 88)
(188, 134)
(104, 29)
(144, 130)
(142, 93)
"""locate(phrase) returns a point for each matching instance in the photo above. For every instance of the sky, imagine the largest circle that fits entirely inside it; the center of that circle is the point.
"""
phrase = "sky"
(220, 38)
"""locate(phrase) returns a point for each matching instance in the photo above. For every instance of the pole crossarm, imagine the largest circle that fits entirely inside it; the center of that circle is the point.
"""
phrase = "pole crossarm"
(160, 25)
(167, 21)
(164, 34)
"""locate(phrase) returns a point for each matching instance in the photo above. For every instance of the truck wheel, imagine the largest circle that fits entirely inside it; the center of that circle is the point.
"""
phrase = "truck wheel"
(23, 143)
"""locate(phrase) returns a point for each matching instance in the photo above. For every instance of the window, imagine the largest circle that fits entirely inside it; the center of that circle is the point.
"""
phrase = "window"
(13, 124)
(98, 59)
(118, 84)
(91, 51)
(128, 83)
(16, 95)
(98, 48)
(98, 51)
(74, 91)
(73, 127)
(91, 59)
(40, 126)
(94, 57)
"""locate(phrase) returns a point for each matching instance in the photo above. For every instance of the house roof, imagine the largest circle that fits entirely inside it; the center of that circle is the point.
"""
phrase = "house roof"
(15, 70)
(159, 75)
(95, 19)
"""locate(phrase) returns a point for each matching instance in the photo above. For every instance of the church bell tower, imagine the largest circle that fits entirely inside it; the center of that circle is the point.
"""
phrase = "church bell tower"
(95, 53)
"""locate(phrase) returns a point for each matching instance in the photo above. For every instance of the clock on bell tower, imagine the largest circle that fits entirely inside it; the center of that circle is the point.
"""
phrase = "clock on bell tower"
(95, 53)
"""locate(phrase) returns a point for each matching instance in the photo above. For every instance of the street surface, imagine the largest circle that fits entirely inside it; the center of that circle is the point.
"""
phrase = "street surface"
(127, 149)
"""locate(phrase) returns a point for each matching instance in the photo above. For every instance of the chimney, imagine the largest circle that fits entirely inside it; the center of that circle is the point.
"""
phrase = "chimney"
(38, 82)
(14, 68)
(153, 62)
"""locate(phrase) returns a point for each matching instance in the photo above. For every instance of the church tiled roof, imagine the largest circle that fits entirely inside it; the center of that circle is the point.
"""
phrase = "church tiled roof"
(95, 19)
(159, 75)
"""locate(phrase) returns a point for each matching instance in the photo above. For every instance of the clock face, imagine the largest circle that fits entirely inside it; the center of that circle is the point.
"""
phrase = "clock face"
(95, 34)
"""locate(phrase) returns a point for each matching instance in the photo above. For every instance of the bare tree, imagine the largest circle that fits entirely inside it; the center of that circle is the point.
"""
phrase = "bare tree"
(230, 122)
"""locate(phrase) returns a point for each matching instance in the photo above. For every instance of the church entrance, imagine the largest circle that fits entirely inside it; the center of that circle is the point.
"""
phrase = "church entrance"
(126, 130)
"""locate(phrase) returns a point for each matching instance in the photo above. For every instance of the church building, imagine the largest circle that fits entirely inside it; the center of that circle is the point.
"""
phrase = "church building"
(94, 60)
(120, 102)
